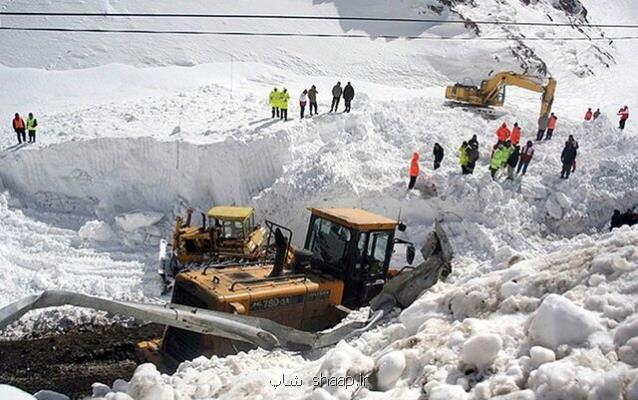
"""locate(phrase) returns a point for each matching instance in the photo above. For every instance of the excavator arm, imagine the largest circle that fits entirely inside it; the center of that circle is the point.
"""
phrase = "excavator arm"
(401, 291)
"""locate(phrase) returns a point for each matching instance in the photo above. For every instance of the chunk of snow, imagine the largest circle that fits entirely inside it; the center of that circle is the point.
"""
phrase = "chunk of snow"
(130, 222)
(559, 321)
(390, 367)
(481, 350)
(439, 391)
(11, 393)
(540, 355)
(50, 395)
(518, 395)
(98, 231)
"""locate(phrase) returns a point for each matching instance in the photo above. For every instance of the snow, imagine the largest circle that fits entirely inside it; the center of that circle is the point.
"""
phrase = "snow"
(10, 393)
(390, 367)
(559, 321)
(482, 350)
(133, 129)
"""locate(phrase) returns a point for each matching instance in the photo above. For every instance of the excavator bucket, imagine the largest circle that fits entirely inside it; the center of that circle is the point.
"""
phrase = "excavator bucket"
(400, 291)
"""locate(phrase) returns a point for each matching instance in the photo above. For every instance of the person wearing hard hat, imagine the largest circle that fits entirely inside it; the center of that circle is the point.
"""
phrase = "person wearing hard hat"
(273, 99)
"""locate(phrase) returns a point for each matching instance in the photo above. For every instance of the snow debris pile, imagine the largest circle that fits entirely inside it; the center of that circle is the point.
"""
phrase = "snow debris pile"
(553, 332)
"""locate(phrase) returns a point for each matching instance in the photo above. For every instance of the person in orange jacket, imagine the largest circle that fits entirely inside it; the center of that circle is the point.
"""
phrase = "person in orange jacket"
(551, 125)
(20, 128)
(515, 137)
(589, 114)
(414, 170)
(503, 133)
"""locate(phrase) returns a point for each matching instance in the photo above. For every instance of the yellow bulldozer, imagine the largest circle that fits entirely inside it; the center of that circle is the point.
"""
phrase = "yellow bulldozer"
(344, 264)
(226, 234)
(491, 93)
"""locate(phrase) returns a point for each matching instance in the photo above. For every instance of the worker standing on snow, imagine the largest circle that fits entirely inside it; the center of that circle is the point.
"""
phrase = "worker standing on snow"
(303, 100)
(515, 137)
(503, 133)
(574, 144)
(348, 95)
(589, 115)
(438, 155)
(596, 114)
(512, 161)
(567, 157)
(472, 154)
(312, 97)
(624, 116)
(527, 153)
(499, 158)
(336, 95)
(32, 123)
(551, 125)
(542, 126)
(273, 99)
(464, 159)
(284, 97)
(19, 128)
(414, 170)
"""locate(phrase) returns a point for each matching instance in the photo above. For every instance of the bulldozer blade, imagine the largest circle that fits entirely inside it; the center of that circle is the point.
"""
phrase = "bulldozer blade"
(258, 331)
(403, 289)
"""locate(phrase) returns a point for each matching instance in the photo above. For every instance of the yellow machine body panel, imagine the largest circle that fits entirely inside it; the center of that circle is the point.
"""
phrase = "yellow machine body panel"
(355, 218)
(302, 302)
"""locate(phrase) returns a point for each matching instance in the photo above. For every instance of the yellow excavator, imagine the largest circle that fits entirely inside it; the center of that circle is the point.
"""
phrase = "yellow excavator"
(491, 93)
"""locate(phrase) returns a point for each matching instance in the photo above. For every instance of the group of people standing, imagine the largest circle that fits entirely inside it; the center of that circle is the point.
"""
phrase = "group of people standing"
(21, 128)
(623, 113)
(279, 100)
(546, 126)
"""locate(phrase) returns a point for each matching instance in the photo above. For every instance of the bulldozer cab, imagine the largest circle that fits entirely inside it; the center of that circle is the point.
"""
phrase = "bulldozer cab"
(353, 245)
(233, 223)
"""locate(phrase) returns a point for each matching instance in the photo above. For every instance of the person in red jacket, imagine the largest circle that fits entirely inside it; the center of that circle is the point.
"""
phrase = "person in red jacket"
(20, 128)
(624, 116)
(589, 114)
(414, 170)
(503, 133)
(551, 125)
(527, 153)
(515, 137)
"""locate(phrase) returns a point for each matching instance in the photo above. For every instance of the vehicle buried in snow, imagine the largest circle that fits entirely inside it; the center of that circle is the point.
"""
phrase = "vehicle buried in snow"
(345, 264)
(226, 234)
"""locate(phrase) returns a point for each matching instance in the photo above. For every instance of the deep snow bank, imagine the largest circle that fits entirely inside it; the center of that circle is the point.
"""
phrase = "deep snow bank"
(112, 176)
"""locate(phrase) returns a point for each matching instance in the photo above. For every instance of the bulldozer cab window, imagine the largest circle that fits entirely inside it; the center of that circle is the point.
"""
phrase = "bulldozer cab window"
(372, 254)
(232, 230)
(328, 243)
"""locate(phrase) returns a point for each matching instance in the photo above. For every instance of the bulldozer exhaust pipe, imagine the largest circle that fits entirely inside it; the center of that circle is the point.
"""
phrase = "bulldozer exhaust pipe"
(281, 246)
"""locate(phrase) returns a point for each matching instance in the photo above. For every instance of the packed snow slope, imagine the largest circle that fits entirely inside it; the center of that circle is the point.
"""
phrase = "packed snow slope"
(151, 125)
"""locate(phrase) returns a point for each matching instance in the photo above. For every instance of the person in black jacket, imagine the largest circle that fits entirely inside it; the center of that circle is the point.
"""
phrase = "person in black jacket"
(438, 155)
(567, 157)
(512, 162)
(348, 95)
